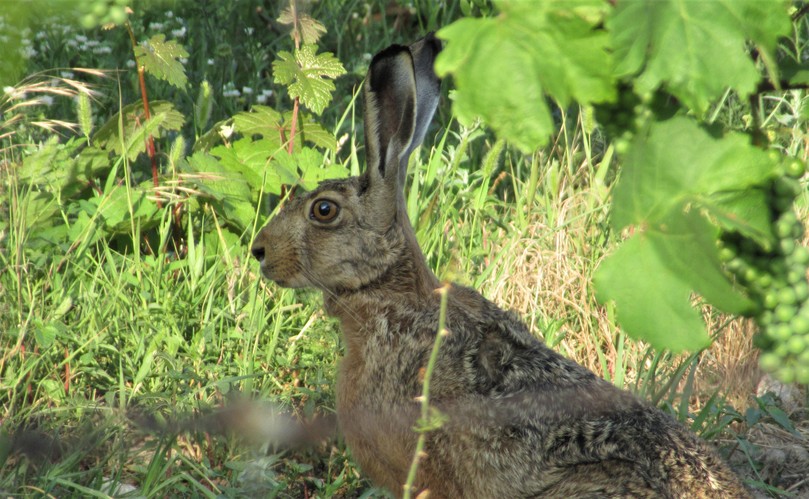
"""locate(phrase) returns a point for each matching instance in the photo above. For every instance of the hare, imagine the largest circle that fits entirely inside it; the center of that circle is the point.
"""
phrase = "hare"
(521, 420)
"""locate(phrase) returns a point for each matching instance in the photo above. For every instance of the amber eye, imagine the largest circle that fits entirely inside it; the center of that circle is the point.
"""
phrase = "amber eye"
(324, 210)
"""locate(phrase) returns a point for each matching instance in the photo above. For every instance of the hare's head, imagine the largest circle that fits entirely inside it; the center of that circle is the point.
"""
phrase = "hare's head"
(347, 234)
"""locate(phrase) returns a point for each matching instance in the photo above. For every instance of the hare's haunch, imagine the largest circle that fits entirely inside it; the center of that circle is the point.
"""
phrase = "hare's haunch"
(523, 421)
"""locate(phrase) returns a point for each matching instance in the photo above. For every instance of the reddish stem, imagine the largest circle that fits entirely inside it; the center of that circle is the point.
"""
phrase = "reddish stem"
(150, 149)
(292, 126)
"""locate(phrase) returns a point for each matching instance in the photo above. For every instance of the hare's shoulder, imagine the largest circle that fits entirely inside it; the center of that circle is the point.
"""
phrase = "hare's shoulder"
(503, 355)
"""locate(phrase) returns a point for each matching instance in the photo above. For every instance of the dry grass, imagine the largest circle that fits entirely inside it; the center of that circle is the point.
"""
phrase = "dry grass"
(545, 274)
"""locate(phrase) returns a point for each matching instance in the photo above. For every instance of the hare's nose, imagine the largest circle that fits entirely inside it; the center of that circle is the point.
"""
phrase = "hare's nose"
(258, 252)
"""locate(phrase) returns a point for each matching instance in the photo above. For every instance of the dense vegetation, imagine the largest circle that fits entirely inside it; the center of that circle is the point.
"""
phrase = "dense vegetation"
(139, 347)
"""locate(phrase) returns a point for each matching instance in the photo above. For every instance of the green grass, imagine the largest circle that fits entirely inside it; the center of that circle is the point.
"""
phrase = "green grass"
(118, 362)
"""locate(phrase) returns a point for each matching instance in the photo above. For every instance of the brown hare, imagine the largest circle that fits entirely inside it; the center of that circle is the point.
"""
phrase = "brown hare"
(522, 421)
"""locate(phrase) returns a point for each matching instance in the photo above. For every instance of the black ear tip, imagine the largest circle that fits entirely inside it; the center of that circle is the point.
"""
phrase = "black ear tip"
(388, 52)
(433, 42)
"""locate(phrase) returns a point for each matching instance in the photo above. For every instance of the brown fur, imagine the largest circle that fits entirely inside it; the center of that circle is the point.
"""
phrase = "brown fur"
(523, 421)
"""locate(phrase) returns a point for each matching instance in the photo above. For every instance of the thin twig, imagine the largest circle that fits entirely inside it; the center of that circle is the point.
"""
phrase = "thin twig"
(426, 423)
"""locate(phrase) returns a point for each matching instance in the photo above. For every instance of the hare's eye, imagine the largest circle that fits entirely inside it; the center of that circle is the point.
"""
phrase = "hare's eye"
(324, 210)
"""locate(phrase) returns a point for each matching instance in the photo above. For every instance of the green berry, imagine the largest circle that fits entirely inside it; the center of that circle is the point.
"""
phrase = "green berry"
(796, 345)
(801, 291)
(771, 300)
(785, 312)
(800, 255)
(786, 296)
(785, 374)
(769, 362)
(787, 245)
(726, 254)
(802, 374)
(780, 333)
(795, 168)
(787, 188)
(799, 325)
(764, 281)
(796, 274)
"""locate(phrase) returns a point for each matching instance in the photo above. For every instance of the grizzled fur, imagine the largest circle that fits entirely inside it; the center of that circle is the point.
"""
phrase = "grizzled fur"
(523, 421)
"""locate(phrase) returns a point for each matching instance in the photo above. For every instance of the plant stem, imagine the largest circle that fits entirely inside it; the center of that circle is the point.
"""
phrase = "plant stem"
(296, 36)
(425, 392)
(150, 149)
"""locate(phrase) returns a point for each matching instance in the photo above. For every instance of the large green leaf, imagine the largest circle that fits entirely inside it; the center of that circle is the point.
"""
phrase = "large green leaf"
(268, 123)
(679, 184)
(695, 49)
(309, 163)
(653, 274)
(227, 189)
(136, 127)
(308, 75)
(252, 160)
(675, 162)
(161, 59)
(261, 120)
(310, 29)
(504, 66)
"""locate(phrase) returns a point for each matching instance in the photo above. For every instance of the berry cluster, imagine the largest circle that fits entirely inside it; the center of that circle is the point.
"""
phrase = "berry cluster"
(775, 278)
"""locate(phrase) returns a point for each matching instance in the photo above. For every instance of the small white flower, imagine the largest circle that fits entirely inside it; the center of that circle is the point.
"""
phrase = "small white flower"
(66, 74)
(157, 26)
(266, 92)
(41, 35)
(178, 33)
(226, 131)
(249, 31)
(247, 90)
(211, 62)
(28, 52)
(130, 63)
(102, 50)
(72, 44)
(261, 99)
(93, 43)
(45, 100)
(81, 38)
(8, 89)
(183, 61)
(169, 14)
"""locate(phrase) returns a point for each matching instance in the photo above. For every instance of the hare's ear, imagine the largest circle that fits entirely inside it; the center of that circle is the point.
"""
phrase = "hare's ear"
(401, 93)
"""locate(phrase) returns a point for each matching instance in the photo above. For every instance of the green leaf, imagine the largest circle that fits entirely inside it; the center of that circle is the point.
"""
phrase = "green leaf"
(746, 212)
(261, 120)
(136, 127)
(266, 122)
(310, 29)
(695, 49)
(651, 278)
(212, 137)
(113, 208)
(307, 75)
(504, 66)
(309, 162)
(252, 161)
(228, 189)
(312, 132)
(160, 58)
(676, 162)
